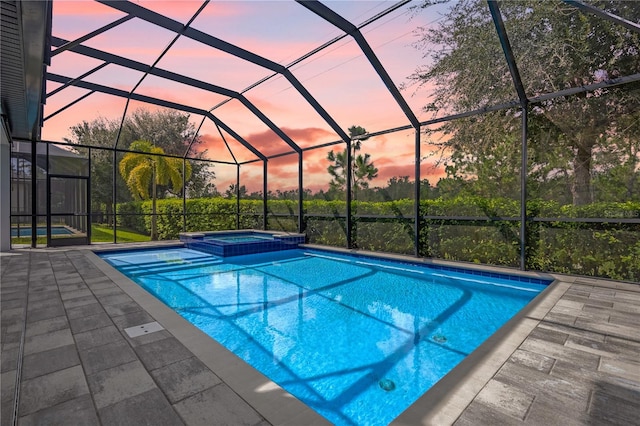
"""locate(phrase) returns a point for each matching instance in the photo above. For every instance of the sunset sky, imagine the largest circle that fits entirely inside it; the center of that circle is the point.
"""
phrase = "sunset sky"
(340, 78)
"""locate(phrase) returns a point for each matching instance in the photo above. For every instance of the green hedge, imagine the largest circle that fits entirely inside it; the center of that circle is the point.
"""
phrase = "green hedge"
(594, 249)
(205, 214)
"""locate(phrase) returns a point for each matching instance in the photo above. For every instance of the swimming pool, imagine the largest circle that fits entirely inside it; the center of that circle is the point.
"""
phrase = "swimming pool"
(357, 339)
(41, 231)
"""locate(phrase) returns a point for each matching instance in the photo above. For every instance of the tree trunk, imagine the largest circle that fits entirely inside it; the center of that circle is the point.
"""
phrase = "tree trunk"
(154, 231)
(581, 190)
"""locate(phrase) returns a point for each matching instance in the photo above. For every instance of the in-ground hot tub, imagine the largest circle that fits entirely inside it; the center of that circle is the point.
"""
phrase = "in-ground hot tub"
(235, 243)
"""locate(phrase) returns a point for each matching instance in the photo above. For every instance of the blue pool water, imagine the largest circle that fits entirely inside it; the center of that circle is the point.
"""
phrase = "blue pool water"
(355, 338)
(41, 231)
(242, 238)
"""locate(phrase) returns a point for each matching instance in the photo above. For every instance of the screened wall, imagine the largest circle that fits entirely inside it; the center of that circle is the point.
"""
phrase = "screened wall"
(504, 133)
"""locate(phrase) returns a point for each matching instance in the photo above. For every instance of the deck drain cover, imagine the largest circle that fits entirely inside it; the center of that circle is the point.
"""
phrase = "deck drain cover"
(140, 330)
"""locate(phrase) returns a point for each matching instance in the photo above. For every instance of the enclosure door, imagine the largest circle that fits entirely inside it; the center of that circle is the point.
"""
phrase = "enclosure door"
(68, 222)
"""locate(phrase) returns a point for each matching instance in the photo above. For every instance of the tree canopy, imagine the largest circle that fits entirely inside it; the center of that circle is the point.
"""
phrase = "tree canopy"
(170, 130)
(556, 47)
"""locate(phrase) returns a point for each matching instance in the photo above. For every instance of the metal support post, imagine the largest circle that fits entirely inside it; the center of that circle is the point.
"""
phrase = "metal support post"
(184, 195)
(264, 195)
(417, 218)
(300, 195)
(523, 189)
(349, 223)
(238, 196)
(113, 193)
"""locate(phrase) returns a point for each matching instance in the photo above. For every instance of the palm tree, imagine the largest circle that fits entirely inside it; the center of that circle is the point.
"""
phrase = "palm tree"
(362, 168)
(148, 167)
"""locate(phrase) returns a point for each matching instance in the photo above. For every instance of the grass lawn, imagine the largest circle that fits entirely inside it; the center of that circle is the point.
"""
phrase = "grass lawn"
(104, 234)
(27, 240)
(99, 234)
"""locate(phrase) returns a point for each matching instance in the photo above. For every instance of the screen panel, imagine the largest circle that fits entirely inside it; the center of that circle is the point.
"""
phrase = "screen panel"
(203, 62)
(286, 107)
(559, 58)
(345, 83)
(282, 193)
(250, 25)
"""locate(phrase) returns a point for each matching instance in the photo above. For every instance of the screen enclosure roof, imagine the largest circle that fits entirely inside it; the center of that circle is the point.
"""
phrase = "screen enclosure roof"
(262, 78)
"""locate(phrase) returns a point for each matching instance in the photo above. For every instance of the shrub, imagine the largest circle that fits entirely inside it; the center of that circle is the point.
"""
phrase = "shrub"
(491, 237)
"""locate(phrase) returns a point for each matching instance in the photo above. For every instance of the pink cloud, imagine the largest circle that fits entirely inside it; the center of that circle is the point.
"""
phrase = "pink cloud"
(216, 149)
(269, 143)
(386, 173)
(97, 105)
(183, 10)
(432, 171)
(308, 135)
(178, 93)
(172, 9)
(316, 164)
(82, 8)
(209, 143)
(267, 106)
(283, 171)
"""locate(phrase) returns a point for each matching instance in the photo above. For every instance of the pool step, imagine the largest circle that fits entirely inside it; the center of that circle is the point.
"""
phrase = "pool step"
(162, 267)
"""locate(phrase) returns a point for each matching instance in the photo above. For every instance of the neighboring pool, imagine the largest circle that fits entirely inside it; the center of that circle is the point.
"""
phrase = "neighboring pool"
(357, 339)
(41, 231)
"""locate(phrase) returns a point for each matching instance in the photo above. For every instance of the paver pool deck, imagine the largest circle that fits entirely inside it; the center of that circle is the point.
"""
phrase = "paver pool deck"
(572, 357)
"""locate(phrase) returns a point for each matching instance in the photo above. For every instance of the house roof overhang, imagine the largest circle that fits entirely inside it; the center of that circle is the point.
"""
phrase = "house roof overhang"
(24, 54)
